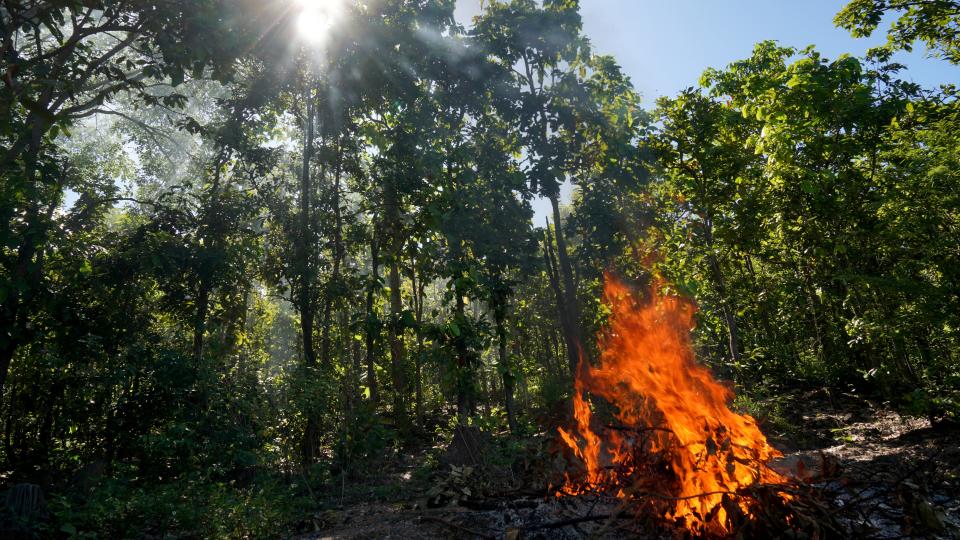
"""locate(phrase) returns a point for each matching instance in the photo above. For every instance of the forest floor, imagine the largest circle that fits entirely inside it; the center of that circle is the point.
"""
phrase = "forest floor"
(879, 475)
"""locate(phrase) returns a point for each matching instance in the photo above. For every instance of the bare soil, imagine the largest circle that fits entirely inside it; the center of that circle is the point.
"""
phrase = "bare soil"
(879, 474)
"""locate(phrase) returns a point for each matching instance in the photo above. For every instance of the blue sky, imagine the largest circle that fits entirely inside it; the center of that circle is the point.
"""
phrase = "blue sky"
(664, 46)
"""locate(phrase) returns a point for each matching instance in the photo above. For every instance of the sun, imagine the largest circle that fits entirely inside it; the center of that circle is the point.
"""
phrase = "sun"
(317, 17)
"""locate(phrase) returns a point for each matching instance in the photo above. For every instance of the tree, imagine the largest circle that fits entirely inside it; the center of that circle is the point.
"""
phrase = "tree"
(545, 43)
(61, 64)
(701, 154)
(934, 22)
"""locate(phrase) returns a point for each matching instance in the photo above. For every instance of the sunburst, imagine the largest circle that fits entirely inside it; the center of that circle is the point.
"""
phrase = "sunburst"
(317, 17)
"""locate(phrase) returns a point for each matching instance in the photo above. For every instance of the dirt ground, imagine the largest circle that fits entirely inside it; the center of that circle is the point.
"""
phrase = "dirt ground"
(878, 475)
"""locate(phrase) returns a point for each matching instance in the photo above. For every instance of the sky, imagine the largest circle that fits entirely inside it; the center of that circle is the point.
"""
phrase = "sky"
(664, 46)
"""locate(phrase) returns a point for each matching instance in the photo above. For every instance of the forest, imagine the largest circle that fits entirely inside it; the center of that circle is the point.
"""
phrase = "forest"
(270, 269)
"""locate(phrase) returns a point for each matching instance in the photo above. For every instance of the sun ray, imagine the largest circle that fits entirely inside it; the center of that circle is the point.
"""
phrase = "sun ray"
(317, 18)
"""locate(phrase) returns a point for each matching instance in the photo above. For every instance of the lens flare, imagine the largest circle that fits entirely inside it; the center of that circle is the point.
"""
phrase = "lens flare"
(317, 17)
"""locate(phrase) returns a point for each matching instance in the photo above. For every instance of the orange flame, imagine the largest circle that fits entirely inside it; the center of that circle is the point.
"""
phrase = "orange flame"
(678, 445)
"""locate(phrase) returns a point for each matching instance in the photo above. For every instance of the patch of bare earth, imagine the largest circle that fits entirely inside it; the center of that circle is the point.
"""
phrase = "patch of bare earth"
(874, 474)
(881, 474)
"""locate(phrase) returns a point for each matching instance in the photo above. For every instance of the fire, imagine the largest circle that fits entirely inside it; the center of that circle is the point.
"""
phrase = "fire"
(677, 449)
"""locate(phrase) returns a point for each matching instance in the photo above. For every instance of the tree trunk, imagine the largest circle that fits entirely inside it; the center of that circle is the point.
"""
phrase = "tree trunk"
(200, 322)
(418, 288)
(553, 271)
(729, 313)
(395, 244)
(356, 367)
(505, 368)
(571, 304)
(306, 278)
(311, 431)
(27, 271)
(333, 293)
(464, 369)
(397, 350)
(7, 350)
(733, 333)
(211, 235)
(372, 327)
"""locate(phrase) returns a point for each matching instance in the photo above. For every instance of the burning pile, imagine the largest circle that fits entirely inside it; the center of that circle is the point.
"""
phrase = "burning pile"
(677, 450)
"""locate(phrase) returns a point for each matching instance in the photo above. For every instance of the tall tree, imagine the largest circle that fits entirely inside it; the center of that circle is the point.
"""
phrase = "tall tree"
(545, 42)
(62, 62)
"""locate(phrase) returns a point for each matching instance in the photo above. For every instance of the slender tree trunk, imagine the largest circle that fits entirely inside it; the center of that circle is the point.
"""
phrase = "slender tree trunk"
(544, 351)
(333, 293)
(770, 335)
(418, 288)
(506, 368)
(567, 303)
(325, 332)
(553, 271)
(356, 357)
(571, 304)
(729, 313)
(733, 332)
(486, 390)
(397, 349)
(464, 369)
(10, 343)
(372, 327)
(816, 311)
(45, 434)
(210, 233)
(304, 262)
(200, 321)
(396, 241)
(311, 431)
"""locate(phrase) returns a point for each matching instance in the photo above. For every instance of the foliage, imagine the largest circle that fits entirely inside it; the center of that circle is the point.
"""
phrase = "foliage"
(245, 271)
(934, 22)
